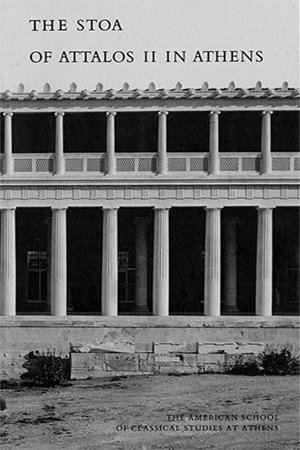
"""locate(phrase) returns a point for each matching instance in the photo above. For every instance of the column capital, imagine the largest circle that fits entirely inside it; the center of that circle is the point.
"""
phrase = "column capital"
(160, 113)
(267, 111)
(110, 208)
(9, 114)
(262, 208)
(111, 113)
(212, 208)
(215, 111)
(59, 208)
(13, 208)
(59, 113)
(158, 208)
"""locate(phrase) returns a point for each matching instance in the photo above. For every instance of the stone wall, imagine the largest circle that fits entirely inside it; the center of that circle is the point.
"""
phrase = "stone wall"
(127, 345)
(177, 358)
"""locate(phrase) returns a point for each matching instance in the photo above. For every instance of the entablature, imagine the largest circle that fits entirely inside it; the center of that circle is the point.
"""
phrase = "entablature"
(151, 99)
(149, 195)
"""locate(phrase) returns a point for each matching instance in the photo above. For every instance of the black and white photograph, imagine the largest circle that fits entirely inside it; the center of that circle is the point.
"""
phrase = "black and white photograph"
(149, 224)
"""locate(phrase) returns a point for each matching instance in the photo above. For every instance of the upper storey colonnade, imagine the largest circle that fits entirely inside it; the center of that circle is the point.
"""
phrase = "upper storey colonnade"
(153, 132)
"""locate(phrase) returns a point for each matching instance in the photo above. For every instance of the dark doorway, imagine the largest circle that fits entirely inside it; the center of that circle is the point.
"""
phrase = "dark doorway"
(33, 228)
(238, 266)
(84, 260)
(286, 273)
(131, 299)
(187, 242)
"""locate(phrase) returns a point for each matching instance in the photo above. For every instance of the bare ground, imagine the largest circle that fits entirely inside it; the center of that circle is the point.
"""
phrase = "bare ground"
(118, 413)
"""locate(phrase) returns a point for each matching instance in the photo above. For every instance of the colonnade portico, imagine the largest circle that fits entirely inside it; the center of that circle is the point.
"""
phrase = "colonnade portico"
(212, 297)
(209, 167)
(162, 158)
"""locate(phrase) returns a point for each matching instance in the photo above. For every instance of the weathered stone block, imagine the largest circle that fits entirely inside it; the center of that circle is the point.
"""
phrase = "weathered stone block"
(82, 361)
(190, 360)
(175, 347)
(81, 374)
(230, 347)
(144, 347)
(146, 362)
(248, 347)
(167, 359)
(121, 362)
(211, 358)
(106, 347)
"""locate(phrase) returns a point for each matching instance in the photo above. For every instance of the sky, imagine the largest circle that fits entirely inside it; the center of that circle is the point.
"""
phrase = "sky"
(186, 26)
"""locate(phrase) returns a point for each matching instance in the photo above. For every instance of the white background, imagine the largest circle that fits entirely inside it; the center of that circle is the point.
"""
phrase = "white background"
(191, 25)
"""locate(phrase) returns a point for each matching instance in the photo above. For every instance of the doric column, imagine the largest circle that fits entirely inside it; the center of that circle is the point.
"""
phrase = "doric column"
(230, 265)
(212, 302)
(110, 144)
(162, 143)
(8, 263)
(58, 272)
(266, 159)
(8, 168)
(161, 262)
(59, 144)
(264, 263)
(214, 142)
(110, 262)
(141, 265)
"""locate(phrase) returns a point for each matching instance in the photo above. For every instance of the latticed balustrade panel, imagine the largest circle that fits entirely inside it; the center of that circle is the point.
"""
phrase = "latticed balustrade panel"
(199, 164)
(44, 165)
(23, 165)
(147, 164)
(297, 164)
(251, 164)
(281, 164)
(1, 165)
(96, 165)
(177, 164)
(74, 165)
(125, 165)
(229, 164)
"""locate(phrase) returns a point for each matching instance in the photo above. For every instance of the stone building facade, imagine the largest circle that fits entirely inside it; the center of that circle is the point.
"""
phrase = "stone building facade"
(148, 230)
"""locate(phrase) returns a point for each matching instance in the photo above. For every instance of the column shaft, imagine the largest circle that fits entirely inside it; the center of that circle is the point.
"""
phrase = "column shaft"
(59, 262)
(110, 262)
(8, 160)
(214, 142)
(59, 144)
(266, 160)
(8, 263)
(230, 264)
(212, 303)
(161, 263)
(110, 144)
(141, 265)
(162, 143)
(264, 263)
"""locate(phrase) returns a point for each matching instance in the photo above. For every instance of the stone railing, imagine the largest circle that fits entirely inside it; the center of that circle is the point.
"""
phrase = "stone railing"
(187, 164)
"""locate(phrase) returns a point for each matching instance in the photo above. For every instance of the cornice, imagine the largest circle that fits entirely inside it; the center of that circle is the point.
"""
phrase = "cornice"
(152, 92)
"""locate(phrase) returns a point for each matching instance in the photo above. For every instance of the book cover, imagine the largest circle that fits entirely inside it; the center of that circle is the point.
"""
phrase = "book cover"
(149, 235)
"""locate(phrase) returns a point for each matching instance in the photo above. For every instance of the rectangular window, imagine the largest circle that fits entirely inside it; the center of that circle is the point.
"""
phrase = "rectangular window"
(37, 276)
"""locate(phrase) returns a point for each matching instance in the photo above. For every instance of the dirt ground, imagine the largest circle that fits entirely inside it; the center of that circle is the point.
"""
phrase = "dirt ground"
(155, 412)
